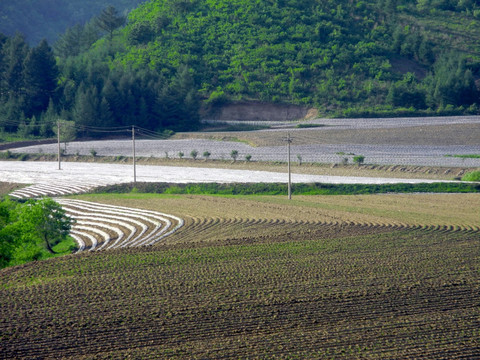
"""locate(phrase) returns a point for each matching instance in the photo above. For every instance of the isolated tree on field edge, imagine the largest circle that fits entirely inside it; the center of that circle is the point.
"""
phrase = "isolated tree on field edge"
(44, 221)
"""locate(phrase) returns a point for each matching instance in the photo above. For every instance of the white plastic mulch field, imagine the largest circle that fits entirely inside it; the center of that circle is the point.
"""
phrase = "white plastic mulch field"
(378, 152)
(45, 177)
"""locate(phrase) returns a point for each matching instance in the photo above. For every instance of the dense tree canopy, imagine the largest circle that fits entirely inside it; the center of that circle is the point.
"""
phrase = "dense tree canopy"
(29, 231)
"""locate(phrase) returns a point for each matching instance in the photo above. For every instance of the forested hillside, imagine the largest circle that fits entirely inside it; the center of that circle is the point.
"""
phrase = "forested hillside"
(334, 54)
(46, 19)
(170, 58)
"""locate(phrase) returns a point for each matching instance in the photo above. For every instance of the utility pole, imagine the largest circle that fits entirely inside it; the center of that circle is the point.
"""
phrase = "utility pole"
(134, 161)
(289, 140)
(59, 150)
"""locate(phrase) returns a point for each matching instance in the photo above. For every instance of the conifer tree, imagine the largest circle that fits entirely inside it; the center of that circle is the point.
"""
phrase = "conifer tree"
(15, 51)
(109, 20)
(40, 76)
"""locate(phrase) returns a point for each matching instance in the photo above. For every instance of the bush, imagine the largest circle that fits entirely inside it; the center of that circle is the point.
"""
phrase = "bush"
(359, 159)
(6, 155)
(471, 176)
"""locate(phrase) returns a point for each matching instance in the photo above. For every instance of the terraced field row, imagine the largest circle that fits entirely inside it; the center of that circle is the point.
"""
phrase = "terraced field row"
(99, 226)
(49, 189)
(249, 230)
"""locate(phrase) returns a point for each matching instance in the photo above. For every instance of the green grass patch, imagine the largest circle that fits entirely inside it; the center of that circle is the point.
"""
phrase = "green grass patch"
(226, 127)
(26, 253)
(306, 126)
(281, 188)
(66, 246)
(465, 156)
(472, 176)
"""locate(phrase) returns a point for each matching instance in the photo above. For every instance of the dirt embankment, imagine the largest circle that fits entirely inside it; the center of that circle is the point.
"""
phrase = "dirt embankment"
(258, 111)
(19, 144)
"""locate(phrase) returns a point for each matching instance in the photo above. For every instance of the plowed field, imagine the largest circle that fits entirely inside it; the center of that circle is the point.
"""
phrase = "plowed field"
(344, 277)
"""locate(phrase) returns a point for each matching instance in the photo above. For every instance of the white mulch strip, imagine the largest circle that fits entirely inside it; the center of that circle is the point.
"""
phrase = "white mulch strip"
(92, 217)
(78, 239)
(363, 123)
(102, 174)
(328, 153)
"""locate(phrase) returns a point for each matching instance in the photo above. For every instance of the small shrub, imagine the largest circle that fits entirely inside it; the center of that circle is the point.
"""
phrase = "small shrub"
(359, 159)
(234, 155)
(93, 152)
(471, 176)
(23, 157)
(206, 155)
(248, 157)
(180, 155)
(299, 158)
(194, 154)
(6, 155)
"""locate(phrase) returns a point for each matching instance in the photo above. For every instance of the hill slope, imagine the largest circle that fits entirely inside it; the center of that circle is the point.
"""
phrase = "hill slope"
(306, 52)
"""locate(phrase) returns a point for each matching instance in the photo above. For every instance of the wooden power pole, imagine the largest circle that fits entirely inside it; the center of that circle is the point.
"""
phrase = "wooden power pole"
(289, 140)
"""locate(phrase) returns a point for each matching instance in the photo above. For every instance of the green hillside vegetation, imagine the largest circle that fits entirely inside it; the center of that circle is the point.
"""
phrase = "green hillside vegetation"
(334, 55)
(176, 57)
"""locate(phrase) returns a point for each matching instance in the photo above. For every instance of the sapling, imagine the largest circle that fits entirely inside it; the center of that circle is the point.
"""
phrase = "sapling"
(299, 158)
(234, 155)
(359, 159)
(194, 154)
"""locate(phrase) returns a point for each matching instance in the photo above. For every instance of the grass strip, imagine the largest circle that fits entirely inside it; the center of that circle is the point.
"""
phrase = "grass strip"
(281, 188)
(466, 156)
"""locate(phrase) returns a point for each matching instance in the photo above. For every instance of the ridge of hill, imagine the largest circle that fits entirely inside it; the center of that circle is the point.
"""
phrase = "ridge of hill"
(47, 19)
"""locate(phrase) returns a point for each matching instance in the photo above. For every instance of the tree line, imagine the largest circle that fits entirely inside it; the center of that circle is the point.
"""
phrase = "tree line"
(40, 85)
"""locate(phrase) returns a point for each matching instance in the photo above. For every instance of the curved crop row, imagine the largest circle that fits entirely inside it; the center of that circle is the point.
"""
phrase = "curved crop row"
(216, 228)
(57, 189)
(100, 226)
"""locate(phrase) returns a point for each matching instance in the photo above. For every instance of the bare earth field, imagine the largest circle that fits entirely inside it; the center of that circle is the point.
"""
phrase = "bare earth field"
(344, 277)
